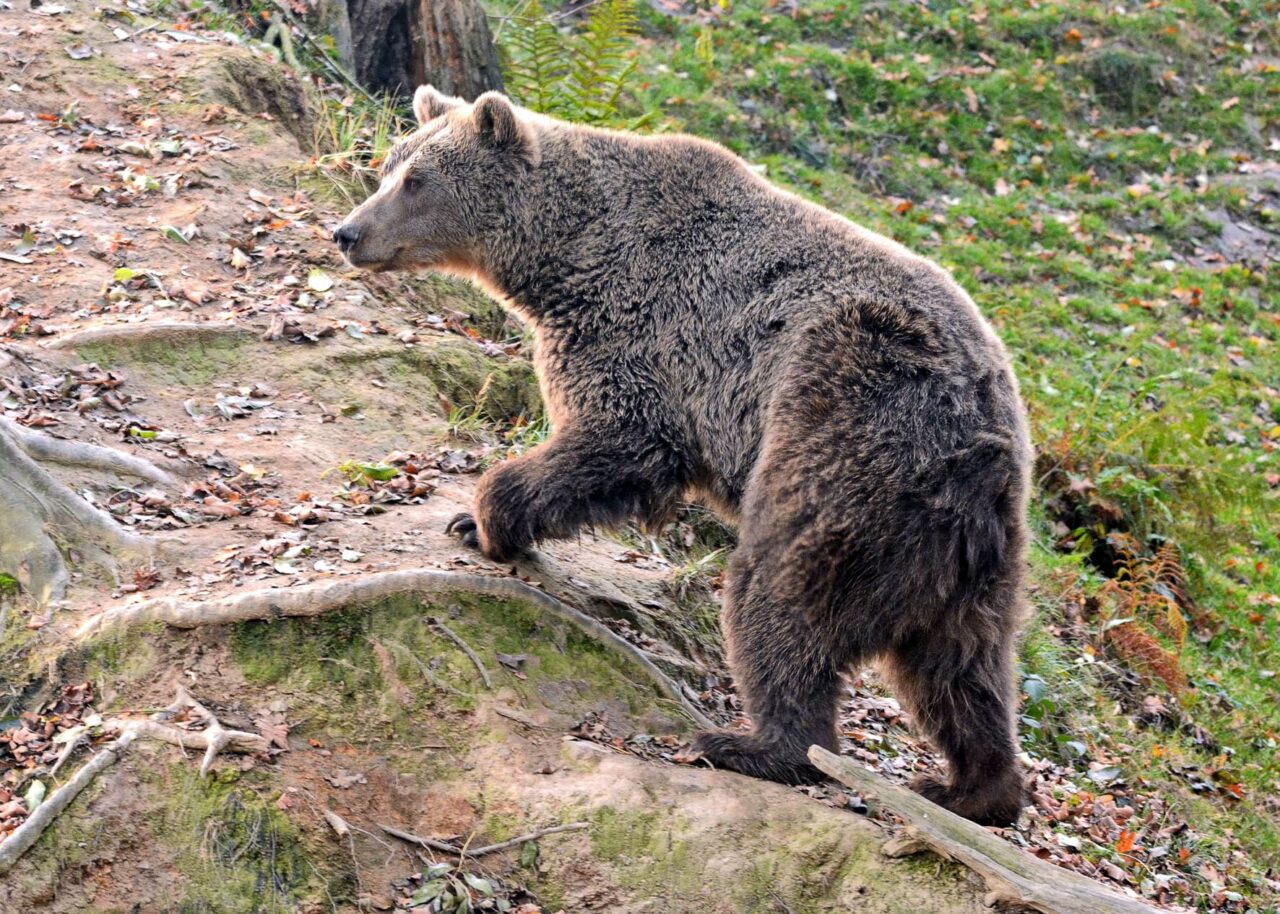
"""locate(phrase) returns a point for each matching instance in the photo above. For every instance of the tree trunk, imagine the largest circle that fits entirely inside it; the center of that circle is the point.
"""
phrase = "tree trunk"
(398, 45)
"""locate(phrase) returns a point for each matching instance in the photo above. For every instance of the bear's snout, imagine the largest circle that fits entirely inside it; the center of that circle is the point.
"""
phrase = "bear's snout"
(346, 236)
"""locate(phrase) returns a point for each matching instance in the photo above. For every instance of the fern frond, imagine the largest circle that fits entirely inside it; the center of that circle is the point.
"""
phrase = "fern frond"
(601, 63)
(579, 78)
(537, 60)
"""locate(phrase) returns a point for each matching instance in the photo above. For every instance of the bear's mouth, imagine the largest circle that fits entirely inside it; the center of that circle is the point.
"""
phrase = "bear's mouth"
(360, 261)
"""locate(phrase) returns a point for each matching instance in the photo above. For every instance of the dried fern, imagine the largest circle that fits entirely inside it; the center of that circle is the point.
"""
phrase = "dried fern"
(1148, 596)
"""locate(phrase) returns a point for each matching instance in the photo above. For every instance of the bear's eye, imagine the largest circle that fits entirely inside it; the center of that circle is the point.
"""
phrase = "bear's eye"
(412, 182)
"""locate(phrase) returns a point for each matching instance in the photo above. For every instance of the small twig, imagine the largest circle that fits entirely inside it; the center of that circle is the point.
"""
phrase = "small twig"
(526, 720)
(447, 848)
(70, 747)
(427, 673)
(466, 649)
(441, 846)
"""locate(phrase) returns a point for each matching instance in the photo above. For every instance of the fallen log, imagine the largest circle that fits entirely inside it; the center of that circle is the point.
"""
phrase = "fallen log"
(1014, 877)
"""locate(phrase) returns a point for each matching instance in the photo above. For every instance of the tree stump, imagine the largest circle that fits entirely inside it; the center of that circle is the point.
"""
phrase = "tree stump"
(398, 45)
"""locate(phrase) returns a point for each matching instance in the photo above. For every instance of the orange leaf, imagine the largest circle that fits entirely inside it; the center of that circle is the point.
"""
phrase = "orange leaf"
(1126, 842)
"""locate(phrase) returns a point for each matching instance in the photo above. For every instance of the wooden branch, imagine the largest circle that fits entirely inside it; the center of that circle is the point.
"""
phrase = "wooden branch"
(327, 596)
(26, 834)
(446, 848)
(1013, 876)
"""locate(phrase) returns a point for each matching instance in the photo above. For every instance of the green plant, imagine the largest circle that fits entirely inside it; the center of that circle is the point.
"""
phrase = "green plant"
(526, 433)
(362, 475)
(580, 77)
(351, 140)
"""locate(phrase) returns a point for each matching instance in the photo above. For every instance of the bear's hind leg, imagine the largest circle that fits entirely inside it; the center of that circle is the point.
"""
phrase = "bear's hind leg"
(961, 693)
(784, 670)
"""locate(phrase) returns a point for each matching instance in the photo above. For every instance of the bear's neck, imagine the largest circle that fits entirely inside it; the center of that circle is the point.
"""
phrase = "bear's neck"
(553, 248)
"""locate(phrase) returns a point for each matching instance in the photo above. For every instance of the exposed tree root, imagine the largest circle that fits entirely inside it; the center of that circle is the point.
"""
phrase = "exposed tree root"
(155, 330)
(26, 834)
(39, 515)
(48, 449)
(446, 848)
(214, 738)
(1014, 877)
(327, 596)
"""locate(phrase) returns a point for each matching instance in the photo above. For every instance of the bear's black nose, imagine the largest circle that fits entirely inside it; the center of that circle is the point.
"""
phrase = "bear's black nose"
(346, 236)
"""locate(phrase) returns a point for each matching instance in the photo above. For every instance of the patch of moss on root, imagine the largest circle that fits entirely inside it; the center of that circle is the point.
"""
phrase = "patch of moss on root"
(330, 666)
(495, 389)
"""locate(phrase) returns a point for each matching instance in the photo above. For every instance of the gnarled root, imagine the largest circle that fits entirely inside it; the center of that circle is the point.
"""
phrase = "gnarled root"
(213, 738)
(39, 516)
(317, 599)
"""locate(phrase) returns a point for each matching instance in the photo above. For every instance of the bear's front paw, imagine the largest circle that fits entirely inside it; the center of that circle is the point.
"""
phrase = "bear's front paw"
(465, 528)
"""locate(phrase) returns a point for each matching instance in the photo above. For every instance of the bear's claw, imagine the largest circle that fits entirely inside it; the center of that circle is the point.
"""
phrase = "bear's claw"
(465, 528)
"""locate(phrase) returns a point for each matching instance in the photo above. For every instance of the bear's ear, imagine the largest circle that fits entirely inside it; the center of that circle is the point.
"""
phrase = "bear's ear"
(429, 104)
(499, 125)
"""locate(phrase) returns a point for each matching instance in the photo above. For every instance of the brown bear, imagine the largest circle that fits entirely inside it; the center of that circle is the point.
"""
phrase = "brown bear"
(701, 333)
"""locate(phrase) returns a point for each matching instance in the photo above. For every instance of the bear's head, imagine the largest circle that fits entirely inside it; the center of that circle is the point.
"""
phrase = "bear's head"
(445, 188)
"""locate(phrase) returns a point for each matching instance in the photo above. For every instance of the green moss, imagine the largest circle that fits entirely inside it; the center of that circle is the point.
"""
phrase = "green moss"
(497, 389)
(332, 667)
(117, 654)
(621, 836)
(236, 852)
(188, 360)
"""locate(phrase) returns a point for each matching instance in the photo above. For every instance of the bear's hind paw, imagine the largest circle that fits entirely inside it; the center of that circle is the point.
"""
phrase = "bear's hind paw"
(990, 804)
(747, 754)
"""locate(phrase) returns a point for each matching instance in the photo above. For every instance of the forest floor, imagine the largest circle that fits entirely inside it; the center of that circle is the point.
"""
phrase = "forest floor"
(169, 289)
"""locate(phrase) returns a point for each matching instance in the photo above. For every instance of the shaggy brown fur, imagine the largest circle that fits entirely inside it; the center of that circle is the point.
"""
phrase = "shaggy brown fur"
(700, 331)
